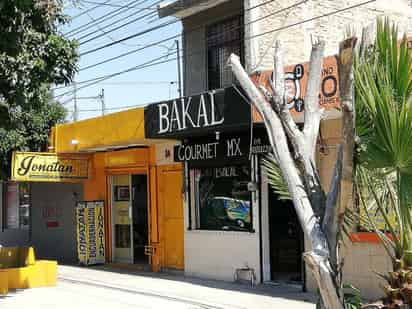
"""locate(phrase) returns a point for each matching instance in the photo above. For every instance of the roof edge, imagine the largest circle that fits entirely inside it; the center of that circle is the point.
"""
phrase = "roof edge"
(184, 8)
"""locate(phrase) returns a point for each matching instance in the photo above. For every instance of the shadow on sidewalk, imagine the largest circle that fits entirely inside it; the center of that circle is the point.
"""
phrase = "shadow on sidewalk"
(286, 291)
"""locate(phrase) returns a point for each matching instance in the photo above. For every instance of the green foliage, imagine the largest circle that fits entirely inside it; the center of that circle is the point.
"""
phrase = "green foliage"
(275, 178)
(352, 297)
(383, 86)
(33, 56)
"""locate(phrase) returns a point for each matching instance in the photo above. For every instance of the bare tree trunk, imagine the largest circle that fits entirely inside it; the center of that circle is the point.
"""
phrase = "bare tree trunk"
(318, 258)
(319, 216)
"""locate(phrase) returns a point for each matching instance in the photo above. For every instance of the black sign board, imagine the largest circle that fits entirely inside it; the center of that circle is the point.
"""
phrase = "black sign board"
(225, 148)
(215, 110)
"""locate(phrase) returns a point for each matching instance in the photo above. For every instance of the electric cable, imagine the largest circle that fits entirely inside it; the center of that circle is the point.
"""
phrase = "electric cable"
(97, 80)
(111, 30)
(149, 64)
(103, 18)
(179, 35)
(113, 23)
(88, 10)
(170, 23)
(113, 5)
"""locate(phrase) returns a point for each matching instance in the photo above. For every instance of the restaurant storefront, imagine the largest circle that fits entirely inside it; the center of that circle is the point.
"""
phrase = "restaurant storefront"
(105, 161)
(226, 195)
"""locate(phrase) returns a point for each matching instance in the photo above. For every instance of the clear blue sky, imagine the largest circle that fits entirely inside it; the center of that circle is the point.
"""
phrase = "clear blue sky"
(134, 88)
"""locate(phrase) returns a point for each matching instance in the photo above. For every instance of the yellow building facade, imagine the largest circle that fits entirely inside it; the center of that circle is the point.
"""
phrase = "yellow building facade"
(139, 183)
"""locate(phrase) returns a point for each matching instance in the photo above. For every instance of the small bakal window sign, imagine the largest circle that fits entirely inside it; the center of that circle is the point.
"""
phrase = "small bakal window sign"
(233, 146)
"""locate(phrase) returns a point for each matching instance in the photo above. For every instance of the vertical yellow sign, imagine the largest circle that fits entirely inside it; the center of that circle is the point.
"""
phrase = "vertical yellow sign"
(81, 220)
(90, 233)
(100, 245)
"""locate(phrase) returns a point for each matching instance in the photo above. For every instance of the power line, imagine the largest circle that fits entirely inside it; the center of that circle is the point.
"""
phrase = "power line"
(111, 30)
(173, 22)
(102, 18)
(111, 24)
(88, 10)
(97, 80)
(150, 63)
(130, 37)
(178, 35)
(128, 53)
(113, 5)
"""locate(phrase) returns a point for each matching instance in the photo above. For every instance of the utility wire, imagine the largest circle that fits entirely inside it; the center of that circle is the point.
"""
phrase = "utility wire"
(113, 5)
(97, 80)
(125, 44)
(88, 10)
(130, 37)
(102, 18)
(176, 36)
(113, 23)
(113, 29)
(179, 35)
(173, 22)
(150, 63)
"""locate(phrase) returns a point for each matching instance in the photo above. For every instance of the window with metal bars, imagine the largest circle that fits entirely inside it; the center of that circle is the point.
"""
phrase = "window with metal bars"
(223, 38)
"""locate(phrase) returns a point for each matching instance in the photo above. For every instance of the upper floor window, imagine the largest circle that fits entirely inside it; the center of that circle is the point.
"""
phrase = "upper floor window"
(223, 38)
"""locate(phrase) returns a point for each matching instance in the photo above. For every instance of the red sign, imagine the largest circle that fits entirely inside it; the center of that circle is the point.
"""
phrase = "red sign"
(52, 224)
(296, 78)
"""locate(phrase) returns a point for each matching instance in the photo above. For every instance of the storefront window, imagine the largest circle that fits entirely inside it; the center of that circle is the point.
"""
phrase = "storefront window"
(220, 199)
(16, 206)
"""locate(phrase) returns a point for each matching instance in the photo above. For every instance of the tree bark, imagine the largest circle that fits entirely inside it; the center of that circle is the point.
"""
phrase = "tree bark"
(342, 181)
(318, 258)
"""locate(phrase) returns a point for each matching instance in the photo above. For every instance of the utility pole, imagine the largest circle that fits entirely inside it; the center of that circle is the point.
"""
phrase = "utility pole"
(179, 77)
(75, 111)
(103, 102)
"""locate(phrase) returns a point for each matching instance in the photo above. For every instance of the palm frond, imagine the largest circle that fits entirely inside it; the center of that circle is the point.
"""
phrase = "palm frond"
(275, 178)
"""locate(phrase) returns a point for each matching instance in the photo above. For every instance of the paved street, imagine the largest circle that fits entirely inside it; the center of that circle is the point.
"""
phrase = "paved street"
(103, 287)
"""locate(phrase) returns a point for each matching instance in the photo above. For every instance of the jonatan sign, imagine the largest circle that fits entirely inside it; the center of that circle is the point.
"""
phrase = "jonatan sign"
(215, 110)
(90, 232)
(48, 167)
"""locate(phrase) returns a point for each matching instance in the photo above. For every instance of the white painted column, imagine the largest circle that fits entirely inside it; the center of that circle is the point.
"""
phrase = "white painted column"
(264, 187)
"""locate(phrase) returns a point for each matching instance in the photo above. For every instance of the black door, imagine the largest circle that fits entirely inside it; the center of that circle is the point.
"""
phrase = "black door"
(286, 241)
(140, 224)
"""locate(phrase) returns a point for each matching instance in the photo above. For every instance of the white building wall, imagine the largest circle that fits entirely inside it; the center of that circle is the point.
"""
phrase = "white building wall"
(217, 254)
(296, 40)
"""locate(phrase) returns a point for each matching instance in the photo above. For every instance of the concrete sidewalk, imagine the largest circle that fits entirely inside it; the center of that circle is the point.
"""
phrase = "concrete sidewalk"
(177, 289)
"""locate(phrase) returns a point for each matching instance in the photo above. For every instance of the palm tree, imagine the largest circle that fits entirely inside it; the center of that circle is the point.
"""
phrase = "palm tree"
(383, 97)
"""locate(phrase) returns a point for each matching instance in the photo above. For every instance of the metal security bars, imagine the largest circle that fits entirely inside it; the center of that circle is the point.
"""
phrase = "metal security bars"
(223, 38)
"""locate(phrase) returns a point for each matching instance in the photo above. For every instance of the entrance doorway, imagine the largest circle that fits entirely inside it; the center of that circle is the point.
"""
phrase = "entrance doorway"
(130, 218)
(286, 241)
(140, 218)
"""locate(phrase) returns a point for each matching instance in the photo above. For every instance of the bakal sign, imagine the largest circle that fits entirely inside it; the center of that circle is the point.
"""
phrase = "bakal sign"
(226, 148)
(48, 167)
(296, 78)
(214, 110)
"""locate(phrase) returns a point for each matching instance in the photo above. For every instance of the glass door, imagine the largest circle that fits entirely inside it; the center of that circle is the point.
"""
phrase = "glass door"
(122, 219)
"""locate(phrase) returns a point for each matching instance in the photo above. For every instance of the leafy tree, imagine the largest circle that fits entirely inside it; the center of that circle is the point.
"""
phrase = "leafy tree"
(383, 80)
(33, 56)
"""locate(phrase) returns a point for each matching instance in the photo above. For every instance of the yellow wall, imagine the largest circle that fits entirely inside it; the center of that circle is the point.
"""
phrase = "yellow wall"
(123, 128)
(166, 228)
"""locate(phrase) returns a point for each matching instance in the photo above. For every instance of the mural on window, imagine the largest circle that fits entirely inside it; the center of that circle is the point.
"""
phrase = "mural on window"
(220, 198)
